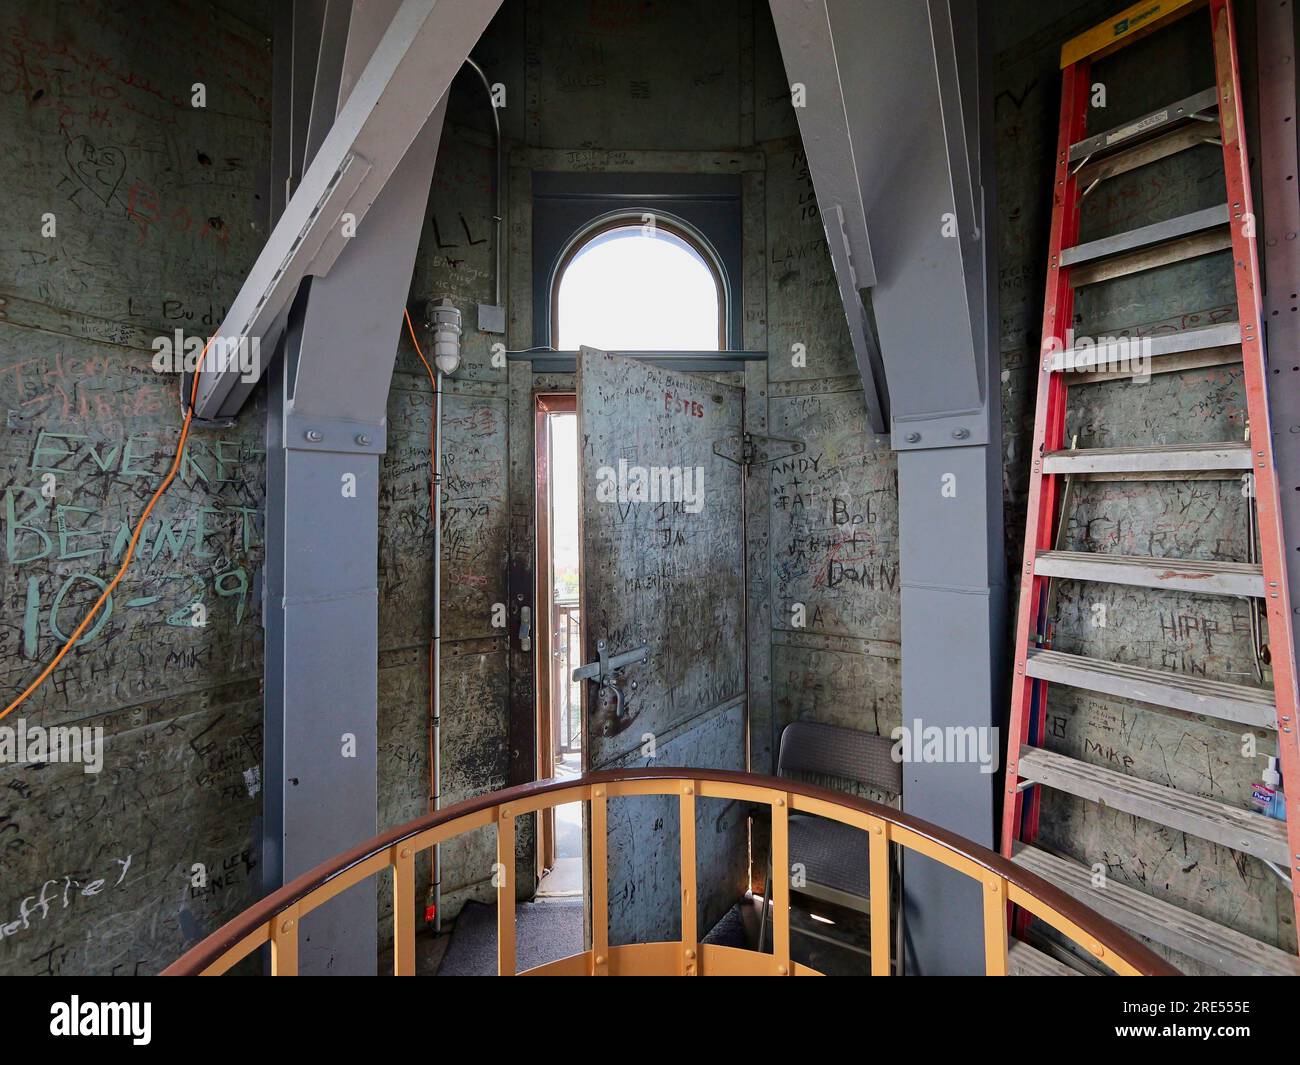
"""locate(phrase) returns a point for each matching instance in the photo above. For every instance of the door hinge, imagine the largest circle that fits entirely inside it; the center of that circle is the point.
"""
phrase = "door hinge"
(747, 449)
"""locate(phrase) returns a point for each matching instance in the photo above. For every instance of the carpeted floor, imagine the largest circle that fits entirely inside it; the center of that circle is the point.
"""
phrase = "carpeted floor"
(545, 930)
(730, 931)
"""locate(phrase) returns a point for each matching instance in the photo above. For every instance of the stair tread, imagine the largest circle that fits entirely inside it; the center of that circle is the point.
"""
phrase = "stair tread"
(1180, 574)
(1171, 926)
(1213, 456)
(1231, 826)
(1024, 960)
(1160, 687)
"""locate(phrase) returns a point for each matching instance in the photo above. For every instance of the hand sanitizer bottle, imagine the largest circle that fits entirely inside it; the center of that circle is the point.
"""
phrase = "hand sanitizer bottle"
(1268, 796)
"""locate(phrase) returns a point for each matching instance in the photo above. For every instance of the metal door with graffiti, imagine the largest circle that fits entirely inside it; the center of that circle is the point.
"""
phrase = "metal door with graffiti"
(664, 634)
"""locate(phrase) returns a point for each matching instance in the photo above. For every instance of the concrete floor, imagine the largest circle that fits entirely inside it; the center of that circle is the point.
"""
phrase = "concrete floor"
(565, 877)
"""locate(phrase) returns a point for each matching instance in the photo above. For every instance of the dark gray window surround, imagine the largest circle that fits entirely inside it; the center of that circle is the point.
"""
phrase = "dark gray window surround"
(566, 205)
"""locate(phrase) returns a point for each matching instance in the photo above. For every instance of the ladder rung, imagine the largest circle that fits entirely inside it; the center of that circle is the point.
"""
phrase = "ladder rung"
(1175, 574)
(1207, 358)
(1150, 123)
(1207, 819)
(1145, 152)
(1159, 687)
(1165, 458)
(1225, 949)
(1100, 356)
(1024, 960)
(1178, 250)
(1145, 236)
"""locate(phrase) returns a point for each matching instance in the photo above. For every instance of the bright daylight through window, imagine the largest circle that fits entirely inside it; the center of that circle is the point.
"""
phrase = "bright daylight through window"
(635, 288)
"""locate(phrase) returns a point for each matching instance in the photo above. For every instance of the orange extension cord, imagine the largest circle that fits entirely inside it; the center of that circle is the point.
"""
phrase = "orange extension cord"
(130, 547)
(158, 493)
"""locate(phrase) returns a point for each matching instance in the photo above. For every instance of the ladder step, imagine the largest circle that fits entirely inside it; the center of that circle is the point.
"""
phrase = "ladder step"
(1149, 124)
(1176, 574)
(1158, 687)
(1145, 236)
(1208, 819)
(1227, 950)
(1024, 960)
(1127, 349)
(1178, 250)
(1145, 152)
(1165, 458)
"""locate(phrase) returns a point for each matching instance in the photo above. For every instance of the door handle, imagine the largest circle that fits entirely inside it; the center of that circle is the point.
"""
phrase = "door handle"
(525, 628)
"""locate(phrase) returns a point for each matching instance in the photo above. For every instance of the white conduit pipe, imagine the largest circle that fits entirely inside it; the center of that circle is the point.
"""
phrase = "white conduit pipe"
(444, 318)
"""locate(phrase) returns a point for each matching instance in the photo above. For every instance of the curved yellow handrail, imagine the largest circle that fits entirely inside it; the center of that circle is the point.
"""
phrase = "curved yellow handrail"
(275, 919)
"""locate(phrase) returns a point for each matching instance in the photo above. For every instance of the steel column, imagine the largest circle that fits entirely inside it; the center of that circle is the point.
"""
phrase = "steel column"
(896, 125)
(325, 434)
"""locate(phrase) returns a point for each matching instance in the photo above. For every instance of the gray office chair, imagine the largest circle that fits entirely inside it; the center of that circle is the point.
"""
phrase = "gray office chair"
(835, 856)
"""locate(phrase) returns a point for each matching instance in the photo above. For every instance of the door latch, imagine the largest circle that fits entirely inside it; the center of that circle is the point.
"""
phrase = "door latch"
(525, 628)
(606, 665)
(750, 449)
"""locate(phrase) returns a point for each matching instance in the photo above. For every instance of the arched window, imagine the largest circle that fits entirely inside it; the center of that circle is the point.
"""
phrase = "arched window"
(632, 287)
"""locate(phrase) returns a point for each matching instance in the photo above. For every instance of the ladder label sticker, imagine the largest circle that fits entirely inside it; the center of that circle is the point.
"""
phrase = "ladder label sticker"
(1141, 126)
(1127, 25)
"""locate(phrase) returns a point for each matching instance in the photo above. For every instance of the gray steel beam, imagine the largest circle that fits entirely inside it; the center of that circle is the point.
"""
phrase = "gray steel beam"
(308, 20)
(412, 66)
(805, 35)
(324, 442)
(281, 111)
(366, 28)
(891, 145)
(325, 435)
(327, 85)
(953, 620)
(896, 126)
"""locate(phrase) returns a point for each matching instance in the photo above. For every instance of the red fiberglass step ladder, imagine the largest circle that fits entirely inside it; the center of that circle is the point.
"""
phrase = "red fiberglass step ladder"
(1081, 162)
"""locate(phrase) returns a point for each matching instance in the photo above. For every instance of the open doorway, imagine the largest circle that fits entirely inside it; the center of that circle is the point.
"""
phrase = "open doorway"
(632, 283)
(559, 645)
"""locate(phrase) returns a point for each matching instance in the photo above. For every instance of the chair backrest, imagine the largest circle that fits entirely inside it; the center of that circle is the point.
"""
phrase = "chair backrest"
(830, 750)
